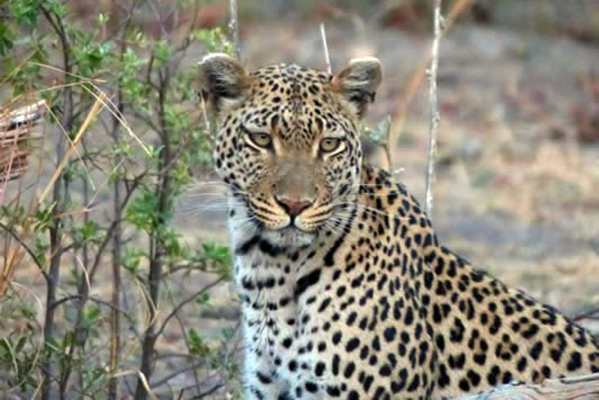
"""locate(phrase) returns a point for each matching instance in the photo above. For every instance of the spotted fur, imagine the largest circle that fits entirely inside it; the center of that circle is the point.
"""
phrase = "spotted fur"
(353, 297)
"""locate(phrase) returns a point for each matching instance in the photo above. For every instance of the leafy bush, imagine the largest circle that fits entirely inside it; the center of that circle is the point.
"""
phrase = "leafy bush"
(123, 111)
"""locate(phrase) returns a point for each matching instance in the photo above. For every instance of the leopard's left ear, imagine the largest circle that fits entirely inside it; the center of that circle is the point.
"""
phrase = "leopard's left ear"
(358, 82)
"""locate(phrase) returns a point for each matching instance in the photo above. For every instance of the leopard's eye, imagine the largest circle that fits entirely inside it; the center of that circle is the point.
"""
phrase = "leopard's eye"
(329, 145)
(260, 139)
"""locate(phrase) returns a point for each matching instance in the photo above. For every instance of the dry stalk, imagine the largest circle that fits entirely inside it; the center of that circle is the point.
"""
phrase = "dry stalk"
(325, 46)
(96, 108)
(414, 82)
(434, 123)
(113, 109)
(234, 28)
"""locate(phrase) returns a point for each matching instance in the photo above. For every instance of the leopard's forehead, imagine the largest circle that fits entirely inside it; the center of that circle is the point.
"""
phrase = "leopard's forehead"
(297, 99)
(291, 79)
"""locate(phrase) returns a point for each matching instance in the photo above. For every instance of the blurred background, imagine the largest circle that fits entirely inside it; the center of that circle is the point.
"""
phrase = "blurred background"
(516, 190)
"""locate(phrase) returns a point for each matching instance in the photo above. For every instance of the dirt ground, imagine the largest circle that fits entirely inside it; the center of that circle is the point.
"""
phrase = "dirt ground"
(516, 192)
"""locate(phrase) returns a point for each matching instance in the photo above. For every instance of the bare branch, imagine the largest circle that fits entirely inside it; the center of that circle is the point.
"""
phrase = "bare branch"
(16, 237)
(174, 374)
(185, 302)
(234, 28)
(434, 123)
(325, 46)
(589, 314)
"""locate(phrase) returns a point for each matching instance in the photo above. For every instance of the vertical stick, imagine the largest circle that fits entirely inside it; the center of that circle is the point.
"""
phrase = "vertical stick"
(434, 123)
(56, 230)
(117, 242)
(234, 28)
(325, 46)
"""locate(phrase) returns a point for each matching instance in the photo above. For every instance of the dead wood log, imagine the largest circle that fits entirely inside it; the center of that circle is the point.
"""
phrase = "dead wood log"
(578, 388)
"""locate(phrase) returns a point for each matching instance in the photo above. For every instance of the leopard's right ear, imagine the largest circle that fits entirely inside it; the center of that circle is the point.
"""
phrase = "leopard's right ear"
(357, 83)
(223, 81)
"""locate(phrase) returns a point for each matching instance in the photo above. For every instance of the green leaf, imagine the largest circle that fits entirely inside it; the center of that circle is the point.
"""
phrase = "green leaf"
(91, 317)
(102, 19)
(220, 255)
(162, 52)
(213, 39)
(90, 232)
(172, 241)
(216, 252)
(25, 11)
(43, 219)
(20, 344)
(6, 352)
(380, 135)
(143, 211)
(6, 43)
(197, 346)
(204, 299)
(131, 261)
(228, 334)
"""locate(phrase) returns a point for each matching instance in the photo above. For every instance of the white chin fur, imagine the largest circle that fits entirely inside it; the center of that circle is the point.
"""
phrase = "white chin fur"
(288, 237)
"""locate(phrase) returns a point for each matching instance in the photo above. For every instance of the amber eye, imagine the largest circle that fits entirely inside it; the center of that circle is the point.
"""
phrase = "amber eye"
(330, 144)
(260, 139)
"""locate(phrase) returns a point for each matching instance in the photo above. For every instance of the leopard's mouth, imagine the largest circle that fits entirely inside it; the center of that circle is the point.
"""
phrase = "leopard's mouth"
(279, 225)
(270, 218)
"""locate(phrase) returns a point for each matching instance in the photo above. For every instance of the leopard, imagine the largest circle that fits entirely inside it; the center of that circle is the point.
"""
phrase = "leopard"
(344, 288)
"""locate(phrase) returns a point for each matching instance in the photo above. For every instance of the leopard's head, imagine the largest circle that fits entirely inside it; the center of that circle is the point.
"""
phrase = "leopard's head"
(288, 141)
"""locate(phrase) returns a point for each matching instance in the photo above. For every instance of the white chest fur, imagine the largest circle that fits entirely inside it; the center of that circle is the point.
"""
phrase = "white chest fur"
(273, 279)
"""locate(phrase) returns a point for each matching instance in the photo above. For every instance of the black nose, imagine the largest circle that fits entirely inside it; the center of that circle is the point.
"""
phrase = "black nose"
(293, 208)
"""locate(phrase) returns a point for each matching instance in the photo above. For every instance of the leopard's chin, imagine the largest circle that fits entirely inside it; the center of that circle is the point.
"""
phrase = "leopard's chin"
(289, 236)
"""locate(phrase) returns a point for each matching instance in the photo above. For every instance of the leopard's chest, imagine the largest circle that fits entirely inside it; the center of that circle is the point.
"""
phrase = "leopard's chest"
(269, 314)
(277, 317)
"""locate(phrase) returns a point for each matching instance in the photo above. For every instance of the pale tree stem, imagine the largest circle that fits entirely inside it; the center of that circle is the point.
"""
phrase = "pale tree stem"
(325, 46)
(234, 28)
(434, 122)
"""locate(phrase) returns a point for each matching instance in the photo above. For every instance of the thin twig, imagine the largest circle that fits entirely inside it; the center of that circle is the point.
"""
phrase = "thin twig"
(325, 46)
(185, 302)
(209, 130)
(27, 249)
(185, 339)
(58, 199)
(434, 123)
(164, 192)
(590, 314)
(208, 392)
(115, 320)
(174, 374)
(234, 28)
